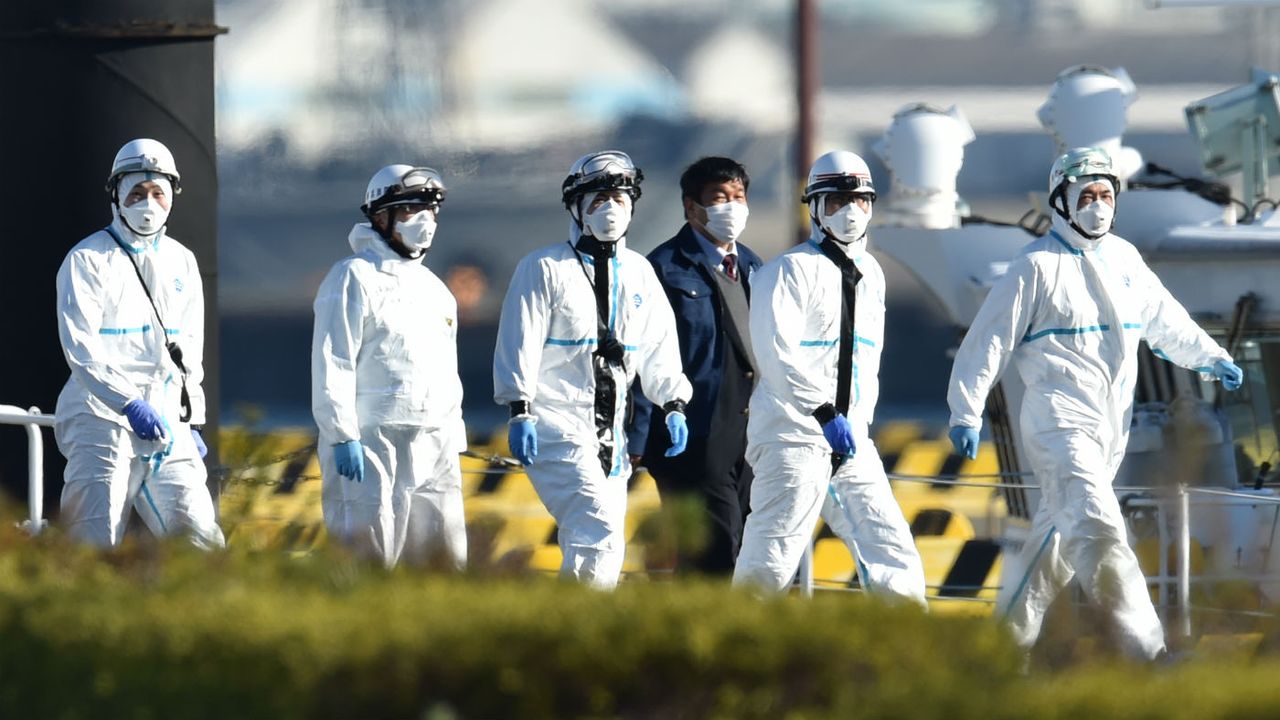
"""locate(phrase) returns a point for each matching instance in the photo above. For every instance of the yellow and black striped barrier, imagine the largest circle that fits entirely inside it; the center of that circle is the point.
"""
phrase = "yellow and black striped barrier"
(273, 502)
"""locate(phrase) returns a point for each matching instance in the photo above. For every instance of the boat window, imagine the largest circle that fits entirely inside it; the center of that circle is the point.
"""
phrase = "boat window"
(1252, 410)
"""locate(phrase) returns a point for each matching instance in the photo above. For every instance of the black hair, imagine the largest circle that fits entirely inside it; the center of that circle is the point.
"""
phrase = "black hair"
(711, 170)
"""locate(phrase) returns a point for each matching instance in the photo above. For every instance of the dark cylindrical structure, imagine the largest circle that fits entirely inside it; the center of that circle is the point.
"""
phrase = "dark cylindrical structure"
(806, 88)
(81, 78)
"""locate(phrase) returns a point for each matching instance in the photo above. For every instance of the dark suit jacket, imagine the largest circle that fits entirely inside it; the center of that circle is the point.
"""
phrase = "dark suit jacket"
(684, 269)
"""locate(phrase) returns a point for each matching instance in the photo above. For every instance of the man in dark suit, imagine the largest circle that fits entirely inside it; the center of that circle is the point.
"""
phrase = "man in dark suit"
(706, 274)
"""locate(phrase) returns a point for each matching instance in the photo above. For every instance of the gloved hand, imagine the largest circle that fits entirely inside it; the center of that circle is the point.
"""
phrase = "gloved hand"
(678, 429)
(522, 438)
(1229, 373)
(839, 435)
(965, 441)
(200, 446)
(145, 421)
(349, 457)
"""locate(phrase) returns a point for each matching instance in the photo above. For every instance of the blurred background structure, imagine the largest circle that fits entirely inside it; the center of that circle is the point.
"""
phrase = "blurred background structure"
(502, 95)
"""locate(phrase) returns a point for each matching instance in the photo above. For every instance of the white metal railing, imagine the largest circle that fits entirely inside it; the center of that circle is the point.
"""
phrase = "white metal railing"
(32, 419)
(1163, 499)
(1182, 529)
(1179, 498)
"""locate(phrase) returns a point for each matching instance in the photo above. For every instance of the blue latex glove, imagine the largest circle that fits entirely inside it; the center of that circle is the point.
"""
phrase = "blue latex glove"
(1229, 373)
(522, 438)
(965, 441)
(349, 457)
(839, 435)
(200, 446)
(145, 421)
(678, 429)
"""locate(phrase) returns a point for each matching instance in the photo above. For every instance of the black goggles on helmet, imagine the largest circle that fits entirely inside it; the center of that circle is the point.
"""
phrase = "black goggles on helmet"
(612, 176)
(419, 186)
(839, 184)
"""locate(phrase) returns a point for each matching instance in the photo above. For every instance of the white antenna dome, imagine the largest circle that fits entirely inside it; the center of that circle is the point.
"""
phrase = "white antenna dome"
(924, 150)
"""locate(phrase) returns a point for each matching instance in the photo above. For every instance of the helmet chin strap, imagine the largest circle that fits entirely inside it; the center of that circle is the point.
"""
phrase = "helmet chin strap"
(813, 216)
(125, 221)
(576, 213)
(389, 236)
(1062, 212)
(843, 243)
(830, 235)
(1091, 236)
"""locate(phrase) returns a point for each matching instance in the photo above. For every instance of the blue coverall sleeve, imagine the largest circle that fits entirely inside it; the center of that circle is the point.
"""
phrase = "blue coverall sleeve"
(80, 311)
(780, 299)
(638, 427)
(193, 341)
(660, 370)
(335, 346)
(996, 332)
(522, 332)
(1173, 334)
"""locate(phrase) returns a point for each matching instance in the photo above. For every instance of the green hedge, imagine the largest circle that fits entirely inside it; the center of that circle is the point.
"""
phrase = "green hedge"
(162, 632)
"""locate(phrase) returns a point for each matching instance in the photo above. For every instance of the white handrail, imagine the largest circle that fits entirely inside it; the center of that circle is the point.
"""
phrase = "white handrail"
(1181, 497)
(32, 419)
(1184, 561)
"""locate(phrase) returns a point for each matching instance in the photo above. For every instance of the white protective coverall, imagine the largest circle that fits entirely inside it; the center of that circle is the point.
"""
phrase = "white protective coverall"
(546, 337)
(795, 331)
(116, 351)
(384, 371)
(1069, 314)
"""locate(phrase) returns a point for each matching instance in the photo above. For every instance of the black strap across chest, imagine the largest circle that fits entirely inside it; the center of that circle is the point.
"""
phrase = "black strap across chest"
(175, 352)
(849, 277)
(609, 352)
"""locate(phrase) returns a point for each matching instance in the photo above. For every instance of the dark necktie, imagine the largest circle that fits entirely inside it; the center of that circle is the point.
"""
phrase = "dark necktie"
(730, 265)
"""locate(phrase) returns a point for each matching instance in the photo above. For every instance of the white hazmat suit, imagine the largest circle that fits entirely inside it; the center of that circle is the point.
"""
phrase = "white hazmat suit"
(546, 337)
(795, 330)
(1069, 314)
(384, 372)
(116, 351)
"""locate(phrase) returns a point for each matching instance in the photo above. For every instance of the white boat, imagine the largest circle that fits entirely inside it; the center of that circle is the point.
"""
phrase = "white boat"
(1197, 478)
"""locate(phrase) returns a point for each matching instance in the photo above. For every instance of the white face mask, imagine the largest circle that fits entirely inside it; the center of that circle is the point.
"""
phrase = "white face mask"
(145, 217)
(848, 224)
(726, 221)
(418, 231)
(1095, 218)
(608, 222)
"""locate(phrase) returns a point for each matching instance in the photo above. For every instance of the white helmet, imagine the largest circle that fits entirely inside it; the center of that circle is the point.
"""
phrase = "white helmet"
(606, 170)
(1075, 165)
(144, 155)
(403, 185)
(839, 171)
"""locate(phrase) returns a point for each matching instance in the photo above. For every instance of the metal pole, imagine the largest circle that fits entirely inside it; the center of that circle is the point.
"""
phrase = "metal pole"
(1184, 561)
(35, 475)
(1163, 567)
(806, 89)
(806, 571)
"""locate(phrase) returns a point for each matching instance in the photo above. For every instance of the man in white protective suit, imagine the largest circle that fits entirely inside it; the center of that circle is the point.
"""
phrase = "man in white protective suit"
(817, 329)
(385, 391)
(1068, 315)
(580, 321)
(131, 324)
